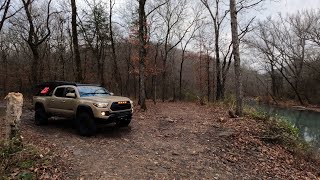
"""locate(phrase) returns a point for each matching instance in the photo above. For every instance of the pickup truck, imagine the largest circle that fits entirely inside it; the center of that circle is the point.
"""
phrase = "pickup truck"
(87, 104)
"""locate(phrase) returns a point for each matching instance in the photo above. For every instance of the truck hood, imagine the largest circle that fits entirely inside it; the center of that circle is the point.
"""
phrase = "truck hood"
(106, 98)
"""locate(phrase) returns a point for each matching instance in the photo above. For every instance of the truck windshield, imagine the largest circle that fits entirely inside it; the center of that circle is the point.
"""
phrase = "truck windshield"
(86, 91)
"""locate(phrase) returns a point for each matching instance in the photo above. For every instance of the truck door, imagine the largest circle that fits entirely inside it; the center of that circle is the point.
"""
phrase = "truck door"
(55, 101)
(68, 104)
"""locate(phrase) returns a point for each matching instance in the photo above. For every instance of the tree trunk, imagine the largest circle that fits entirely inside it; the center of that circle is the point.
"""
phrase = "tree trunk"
(218, 65)
(154, 80)
(128, 71)
(75, 41)
(180, 75)
(35, 64)
(114, 55)
(5, 67)
(208, 77)
(236, 55)
(164, 89)
(142, 52)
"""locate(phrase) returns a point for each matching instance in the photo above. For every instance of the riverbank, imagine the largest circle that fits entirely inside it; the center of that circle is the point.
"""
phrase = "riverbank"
(172, 140)
(291, 104)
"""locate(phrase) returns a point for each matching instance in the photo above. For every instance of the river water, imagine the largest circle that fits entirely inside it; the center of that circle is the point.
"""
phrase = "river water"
(308, 122)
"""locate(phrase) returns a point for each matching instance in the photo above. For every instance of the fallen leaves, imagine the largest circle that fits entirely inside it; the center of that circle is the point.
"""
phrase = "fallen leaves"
(169, 141)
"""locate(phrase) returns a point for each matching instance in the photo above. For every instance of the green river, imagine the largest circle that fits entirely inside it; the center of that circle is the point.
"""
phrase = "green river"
(308, 122)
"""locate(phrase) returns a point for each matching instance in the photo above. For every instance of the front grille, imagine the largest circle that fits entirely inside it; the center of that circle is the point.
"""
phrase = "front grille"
(118, 107)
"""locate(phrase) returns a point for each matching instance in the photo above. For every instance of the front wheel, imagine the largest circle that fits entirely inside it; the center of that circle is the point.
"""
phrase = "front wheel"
(40, 117)
(85, 124)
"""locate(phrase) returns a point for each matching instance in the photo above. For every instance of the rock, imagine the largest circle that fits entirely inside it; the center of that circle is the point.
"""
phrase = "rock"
(222, 120)
(13, 115)
(232, 114)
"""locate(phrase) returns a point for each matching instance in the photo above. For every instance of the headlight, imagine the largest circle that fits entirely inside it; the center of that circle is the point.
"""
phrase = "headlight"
(101, 105)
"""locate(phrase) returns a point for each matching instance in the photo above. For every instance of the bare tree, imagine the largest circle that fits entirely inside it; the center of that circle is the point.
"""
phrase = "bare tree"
(184, 45)
(95, 29)
(173, 15)
(289, 39)
(218, 20)
(260, 41)
(35, 39)
(4, 6)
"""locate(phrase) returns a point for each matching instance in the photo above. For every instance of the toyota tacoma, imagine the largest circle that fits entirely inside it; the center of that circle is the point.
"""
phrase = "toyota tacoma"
(87, 104)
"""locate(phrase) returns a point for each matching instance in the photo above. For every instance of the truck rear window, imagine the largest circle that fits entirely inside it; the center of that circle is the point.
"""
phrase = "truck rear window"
(44, 91)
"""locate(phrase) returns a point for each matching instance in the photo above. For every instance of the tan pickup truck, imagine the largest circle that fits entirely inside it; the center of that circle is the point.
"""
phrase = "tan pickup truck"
(87, 104)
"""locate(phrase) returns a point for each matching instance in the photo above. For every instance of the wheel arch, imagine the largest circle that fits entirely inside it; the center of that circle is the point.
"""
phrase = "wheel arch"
(38, 105)
(84, 108)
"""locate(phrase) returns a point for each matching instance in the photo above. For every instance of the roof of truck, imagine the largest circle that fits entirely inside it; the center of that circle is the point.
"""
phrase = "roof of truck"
(46, 88)
(60, 83)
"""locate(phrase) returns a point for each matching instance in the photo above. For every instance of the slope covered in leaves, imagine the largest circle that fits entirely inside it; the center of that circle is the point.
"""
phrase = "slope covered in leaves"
(171, 140)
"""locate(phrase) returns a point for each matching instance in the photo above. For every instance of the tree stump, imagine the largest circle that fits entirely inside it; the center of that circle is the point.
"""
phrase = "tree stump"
(13, 115)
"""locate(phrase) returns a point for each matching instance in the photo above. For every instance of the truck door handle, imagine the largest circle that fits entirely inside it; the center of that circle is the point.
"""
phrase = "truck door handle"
(52, 100)
(63, 101)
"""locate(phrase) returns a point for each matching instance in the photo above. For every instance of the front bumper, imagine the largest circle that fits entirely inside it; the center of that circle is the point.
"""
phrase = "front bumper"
(115, 116)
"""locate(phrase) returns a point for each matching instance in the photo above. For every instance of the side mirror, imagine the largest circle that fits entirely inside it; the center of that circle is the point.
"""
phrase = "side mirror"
(111, 93)
(71, 95)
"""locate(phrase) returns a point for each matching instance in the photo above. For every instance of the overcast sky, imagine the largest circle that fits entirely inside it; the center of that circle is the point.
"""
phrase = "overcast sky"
(288, 6)
(272, 7)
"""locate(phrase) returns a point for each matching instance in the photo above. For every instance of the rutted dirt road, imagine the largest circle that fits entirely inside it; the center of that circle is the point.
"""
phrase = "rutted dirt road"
(169, 141)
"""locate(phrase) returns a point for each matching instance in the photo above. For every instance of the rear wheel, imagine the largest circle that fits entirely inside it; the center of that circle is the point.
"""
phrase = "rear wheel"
(40, 116)
(85, 124)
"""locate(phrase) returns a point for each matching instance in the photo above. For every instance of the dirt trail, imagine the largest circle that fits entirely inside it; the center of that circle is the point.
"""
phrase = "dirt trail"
(169, 141)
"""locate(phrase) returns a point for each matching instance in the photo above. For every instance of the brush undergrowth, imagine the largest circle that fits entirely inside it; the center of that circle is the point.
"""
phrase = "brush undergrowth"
(18, 161)
(281, 131)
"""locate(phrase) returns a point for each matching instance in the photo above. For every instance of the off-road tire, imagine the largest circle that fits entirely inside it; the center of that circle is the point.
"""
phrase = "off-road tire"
(40, 117)
(123, 123)
(85, 124)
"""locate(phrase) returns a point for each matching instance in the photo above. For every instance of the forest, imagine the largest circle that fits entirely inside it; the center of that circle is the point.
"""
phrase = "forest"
(194, 72)
(172, 50)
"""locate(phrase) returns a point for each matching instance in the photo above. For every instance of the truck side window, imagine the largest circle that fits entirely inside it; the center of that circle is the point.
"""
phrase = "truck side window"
(69, 90)
(59, 92)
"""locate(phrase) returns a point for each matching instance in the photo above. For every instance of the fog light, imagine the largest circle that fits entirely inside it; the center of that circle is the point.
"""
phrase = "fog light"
(103, 113)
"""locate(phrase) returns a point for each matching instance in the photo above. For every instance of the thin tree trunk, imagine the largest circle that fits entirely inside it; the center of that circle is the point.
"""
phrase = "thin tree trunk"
(142, 53)
(154, 80)
(208, 76)
(75, 41)
(218, 65)
(180, 75)
(236, 55)
(164, 75)
(114, 55)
